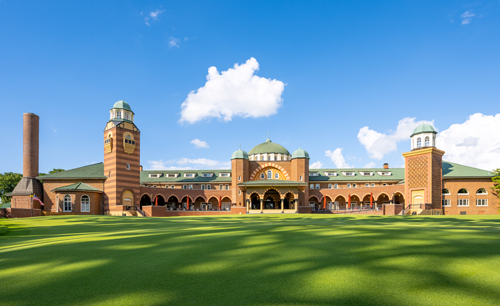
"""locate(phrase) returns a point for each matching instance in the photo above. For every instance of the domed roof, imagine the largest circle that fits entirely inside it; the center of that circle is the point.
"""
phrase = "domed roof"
(268, 147)
(122, 105)
(300, 153)
(239, 154)
(424, 128)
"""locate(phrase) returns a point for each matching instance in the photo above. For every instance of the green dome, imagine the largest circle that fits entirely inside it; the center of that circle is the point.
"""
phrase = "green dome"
(122, 105)
(300, 153)
(424, 128)
(268, 147)
(239, 154)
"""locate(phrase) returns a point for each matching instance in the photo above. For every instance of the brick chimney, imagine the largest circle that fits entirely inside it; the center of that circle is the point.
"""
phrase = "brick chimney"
(30, 144)
(140, 167)
(386, 166)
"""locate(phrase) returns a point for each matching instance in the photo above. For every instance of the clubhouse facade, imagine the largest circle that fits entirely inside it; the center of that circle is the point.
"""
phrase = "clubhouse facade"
(267, 179)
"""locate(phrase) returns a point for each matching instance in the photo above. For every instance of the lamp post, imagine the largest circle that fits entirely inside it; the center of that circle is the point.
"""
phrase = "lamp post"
(31, 198)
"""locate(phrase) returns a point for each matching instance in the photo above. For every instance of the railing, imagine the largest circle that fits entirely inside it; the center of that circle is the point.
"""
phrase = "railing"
(140, 211)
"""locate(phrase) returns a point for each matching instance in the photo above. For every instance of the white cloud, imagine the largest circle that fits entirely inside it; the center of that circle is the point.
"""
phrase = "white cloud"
(235, 92)
(174, 42)
(378, 144)
(316, 165)
(467, 17)
(200, 143)
(337, 158)
(153, 16)
(370, 165)
(187, 164)
(472, 143)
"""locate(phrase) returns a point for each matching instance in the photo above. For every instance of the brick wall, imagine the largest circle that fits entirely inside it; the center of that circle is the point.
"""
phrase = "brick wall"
(472, 185)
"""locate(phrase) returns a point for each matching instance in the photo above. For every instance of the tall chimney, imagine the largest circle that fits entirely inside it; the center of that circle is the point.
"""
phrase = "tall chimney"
(30, 144)
(386, 166)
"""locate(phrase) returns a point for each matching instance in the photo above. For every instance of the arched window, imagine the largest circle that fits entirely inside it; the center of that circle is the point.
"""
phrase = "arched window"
(446, 192)
(269, 175)
(119, 114)
(262, 176)
(85, 203)
(67, 203)
(463, 191)
(419, 142)
(276, 176)
(481, 191)
(427, 142)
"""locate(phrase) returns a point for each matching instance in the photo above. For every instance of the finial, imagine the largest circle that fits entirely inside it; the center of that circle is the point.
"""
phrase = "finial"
(240, 146)
(267, 135)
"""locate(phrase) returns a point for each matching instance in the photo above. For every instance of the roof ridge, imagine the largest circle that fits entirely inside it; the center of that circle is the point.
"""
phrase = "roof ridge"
(466, 166)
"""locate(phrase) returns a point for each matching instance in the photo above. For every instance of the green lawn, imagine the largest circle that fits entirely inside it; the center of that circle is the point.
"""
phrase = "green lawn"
(251, 260)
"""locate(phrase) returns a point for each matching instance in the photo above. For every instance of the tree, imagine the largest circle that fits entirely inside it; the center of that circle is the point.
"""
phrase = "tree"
(496, 182)
(52, 172)
(8, 181)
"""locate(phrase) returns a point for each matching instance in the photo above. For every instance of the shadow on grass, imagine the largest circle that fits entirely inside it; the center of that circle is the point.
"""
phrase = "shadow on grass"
(251, 260)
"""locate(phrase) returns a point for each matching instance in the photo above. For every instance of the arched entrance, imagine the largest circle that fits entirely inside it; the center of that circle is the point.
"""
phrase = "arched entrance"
(355, 202)
(340, 202)
(314, 203)
(382, 199)
(272, 199)
(173, 202)
(199, 204)
(159, 200)
(289, 201)
(145, 200)
(398, 198)
(183, 204)
(254, 201)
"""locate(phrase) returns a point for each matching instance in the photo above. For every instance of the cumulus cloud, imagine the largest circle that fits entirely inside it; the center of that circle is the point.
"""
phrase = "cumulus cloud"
(337, 158)
(153, 16)
(467, 17)
(187, 164)
(378, 144)
(173, 42)
(316, 165)
(200, 143)
(235, 92)
(472, 143)
(370, 165)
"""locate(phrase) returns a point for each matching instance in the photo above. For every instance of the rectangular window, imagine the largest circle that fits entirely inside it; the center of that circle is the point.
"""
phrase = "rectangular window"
(209, 187)
(354, 186)
(367, 185)
(446, 203)
(190, 186)
(225, 174)
(172, 186)
(128, 166)
(227, 187)
(184, 187)
(317, 186)
(336, 186)
(329, 186)
(482, 202)
(202, 187)
(189, 175)
(239, 178)
(384, 184)
(220, 187)
(301, 178)
(311, 186)
(348, 185)
(463, 202)
(313, 174)
(239, 192)
(207, 175)
(373, 184)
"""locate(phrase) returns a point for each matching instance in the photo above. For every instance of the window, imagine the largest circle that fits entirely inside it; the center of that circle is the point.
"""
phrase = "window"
(367, 185)
(373, 184)
(227, 187)
(419, 142)
(220, 187)
(269, 174)
(336, 186)
(463, 202)
(311, 186)
(209, 187)
(128, 166)
(446, 203)
(331, 173)
(276, 176)
(366, 173)
(184, 187)
(264, 157)
(166, 186)
(301, 178)
(481, 191)
(207, 174)
(262, 176)
(384, 173)
(172, 186)
(239, 192)
(154, 175)
(446, 192)
(239, 178)
(354, 186)
(482, 202)
(427, 142)
(154, 186)
(384, 184)
(313, 174)
(329, 186)
(85, 203)
(172, 174)
(463, 191)
(317, 186)
(188, 174)
(348, 173)
(348, 185)
(119, 115)
(67, 203)
(190, 186)
(202, 187)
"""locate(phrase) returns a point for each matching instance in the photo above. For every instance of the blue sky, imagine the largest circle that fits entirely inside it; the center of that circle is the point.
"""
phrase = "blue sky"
(356, 77)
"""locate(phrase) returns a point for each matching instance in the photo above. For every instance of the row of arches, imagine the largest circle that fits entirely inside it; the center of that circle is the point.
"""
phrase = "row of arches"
(198, 203)
(341, 201)
(272, 200)
(464, 191)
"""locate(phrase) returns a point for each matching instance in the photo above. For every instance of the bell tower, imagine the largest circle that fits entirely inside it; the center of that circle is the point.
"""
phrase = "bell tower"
(424, 168)
(122, 144)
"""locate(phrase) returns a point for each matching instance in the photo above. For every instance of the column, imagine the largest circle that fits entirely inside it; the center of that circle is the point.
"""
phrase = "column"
(282, 207)
(248, 206)
(261, 205)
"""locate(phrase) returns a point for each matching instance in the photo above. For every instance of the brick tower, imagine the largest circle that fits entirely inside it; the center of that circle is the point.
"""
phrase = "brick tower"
(300, 173)
(423, 174)
(240, 172)
(122, 146)
(21, 203)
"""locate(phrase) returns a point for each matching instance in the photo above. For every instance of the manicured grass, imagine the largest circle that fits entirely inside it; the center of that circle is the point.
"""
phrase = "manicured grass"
(251, 260)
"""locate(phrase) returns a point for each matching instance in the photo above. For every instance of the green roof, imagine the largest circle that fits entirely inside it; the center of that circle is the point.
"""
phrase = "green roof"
(122, 105)
(300, 153)
(77, 187)
(268, 147)
(453, 170)
(424, 128)
(397, 174)
(198, 178)
(272, 183)
(239, 154)
(5, 205)
(95, 171)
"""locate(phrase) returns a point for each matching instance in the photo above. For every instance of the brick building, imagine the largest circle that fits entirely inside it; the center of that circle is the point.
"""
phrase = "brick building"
(267, 179)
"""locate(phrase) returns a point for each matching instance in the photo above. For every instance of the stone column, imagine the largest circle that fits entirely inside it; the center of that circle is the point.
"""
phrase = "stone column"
(248, 205)
(282, 206)
(261, 205)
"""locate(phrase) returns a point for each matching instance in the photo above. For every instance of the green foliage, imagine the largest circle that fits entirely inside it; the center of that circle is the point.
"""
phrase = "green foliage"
(496, 181)
(52, 171)
(8, 181)
(251, 260)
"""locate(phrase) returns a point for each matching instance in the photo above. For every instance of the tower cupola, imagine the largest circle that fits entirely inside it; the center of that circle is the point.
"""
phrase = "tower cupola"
(121, 111)
(423, 136)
